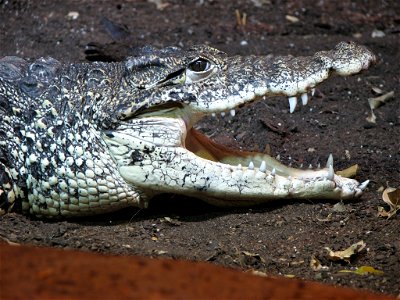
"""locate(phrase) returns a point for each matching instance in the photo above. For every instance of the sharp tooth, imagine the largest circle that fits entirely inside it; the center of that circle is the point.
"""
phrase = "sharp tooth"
(331, 173)
(312, 91)
(301, 166)
(292, 104)
(273, 172)
(232, 112)
(363, 185)
(319, 166)
(329, 162)
(263, 166)
(213, 115)
(239, 166)
(304, 98)
(310, 166)
(222, 114)
(278, 157)
(251, 166)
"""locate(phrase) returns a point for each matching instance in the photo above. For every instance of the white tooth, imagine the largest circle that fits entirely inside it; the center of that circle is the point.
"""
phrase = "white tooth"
(329, 162)
(331, 173)
(312, 91)
(278, 157)
(222, 114)
(273, 172)
(310, 166)
(319, 166)
(301, 166)
(292, 104)
(213, 115)
(290, 165)
(239, 166)
(232, 112)
(304, 99)
(363, 185)
(251, 166)
(263, 166)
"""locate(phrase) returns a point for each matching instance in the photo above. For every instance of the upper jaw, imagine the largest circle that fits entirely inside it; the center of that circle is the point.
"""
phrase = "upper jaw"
(246, 79)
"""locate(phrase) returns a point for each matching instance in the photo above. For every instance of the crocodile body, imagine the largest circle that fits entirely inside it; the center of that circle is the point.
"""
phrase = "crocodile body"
(88, 138)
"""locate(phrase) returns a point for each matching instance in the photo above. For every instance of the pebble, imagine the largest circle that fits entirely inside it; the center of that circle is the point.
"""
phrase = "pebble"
(73, 15)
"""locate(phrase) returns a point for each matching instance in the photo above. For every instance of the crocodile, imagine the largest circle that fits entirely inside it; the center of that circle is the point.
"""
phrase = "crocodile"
(79, 139)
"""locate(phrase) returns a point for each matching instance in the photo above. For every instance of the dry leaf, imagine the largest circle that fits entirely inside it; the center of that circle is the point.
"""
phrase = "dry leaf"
(371, 117)
(383, 213)
(241, 19)
(380, 189)
(255, 255)
(160, 5)
(378, 101)
(350, 172)
(391, 196)
(296, 263)
(160, 252)
(364, 270)
(376, 90)
(258, 273)
(327, 219)
(346, 254)
(172, 221)
(316, 265)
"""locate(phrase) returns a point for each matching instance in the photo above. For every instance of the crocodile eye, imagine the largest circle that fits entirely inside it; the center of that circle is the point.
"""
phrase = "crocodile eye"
(199, 65)
(199, 69)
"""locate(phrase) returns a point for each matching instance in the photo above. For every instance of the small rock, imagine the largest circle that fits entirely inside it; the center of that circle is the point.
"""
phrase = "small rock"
(73, 15)
(292, 19)
(339, 207)
(377, 33)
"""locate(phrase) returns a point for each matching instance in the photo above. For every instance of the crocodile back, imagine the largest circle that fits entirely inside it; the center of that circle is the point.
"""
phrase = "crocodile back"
(53, 160)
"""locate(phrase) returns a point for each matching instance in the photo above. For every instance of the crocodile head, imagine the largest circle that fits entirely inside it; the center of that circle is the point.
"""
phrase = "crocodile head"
(78, 139)
(158, 150)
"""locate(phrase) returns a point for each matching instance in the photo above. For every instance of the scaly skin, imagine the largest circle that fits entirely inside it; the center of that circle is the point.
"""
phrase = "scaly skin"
(80, 139)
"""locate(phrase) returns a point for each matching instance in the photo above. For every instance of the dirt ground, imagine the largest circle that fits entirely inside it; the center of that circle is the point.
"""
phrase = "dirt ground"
(278, 238)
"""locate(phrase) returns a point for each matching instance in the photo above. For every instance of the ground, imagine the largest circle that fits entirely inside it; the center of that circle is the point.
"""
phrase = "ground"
(278, 238)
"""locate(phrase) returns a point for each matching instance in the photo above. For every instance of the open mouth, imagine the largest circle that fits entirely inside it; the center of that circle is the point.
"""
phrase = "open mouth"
(226, 176)
(163, 152)
(202, 146)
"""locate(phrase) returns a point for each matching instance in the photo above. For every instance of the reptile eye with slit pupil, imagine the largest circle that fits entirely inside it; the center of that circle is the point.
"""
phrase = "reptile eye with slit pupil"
(199, 65)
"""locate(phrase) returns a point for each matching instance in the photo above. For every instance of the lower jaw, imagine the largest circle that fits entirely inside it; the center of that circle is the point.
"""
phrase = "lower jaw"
(228, 177)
